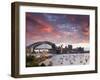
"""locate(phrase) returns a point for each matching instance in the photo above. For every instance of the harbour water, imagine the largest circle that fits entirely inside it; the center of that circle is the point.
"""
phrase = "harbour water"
(67, 59)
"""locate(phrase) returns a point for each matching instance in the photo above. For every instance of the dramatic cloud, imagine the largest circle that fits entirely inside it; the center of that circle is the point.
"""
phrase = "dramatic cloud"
(57, 28)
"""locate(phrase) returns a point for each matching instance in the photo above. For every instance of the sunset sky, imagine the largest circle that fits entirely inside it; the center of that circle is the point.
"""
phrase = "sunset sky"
(57, 28)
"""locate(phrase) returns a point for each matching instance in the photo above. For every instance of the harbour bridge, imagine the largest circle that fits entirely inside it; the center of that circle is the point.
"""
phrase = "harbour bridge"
(36, 44)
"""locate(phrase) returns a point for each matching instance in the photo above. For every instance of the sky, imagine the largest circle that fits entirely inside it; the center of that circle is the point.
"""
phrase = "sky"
(57, 28)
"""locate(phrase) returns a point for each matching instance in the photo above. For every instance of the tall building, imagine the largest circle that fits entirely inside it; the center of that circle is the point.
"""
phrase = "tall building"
(70, 47)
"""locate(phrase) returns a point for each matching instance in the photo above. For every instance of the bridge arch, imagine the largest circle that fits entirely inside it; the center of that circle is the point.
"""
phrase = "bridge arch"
(36, 44)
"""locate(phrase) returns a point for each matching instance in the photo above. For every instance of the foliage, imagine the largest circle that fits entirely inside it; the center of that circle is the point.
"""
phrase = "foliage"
(31, 61)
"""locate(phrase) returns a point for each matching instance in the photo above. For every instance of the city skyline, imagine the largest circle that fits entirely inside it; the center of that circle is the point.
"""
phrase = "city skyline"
(57, 28)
